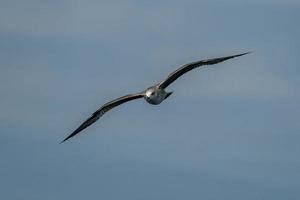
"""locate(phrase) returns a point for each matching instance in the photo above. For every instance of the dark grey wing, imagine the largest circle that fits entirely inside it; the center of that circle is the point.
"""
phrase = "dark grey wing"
(106, 107)
(188, 67)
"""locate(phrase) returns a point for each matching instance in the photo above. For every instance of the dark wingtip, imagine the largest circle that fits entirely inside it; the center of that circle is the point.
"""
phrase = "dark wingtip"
(65, 139)
(71, 135)
(243, 53)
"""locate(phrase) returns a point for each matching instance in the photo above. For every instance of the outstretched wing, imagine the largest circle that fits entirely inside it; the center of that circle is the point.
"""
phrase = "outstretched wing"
(106, 107)
(188, 67)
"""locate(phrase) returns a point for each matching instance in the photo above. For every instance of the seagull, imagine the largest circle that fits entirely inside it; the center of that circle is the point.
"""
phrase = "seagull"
(153, 95)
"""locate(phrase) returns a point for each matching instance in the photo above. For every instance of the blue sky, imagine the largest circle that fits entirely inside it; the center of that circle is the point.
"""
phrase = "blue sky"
(230, 131)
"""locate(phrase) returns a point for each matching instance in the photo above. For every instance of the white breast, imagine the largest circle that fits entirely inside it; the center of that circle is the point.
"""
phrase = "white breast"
(155, 95)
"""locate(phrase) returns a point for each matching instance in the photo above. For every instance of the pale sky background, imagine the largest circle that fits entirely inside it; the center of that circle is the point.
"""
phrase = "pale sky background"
(230, 131)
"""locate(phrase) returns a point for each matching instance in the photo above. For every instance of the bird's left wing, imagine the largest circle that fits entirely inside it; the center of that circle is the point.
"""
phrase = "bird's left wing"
(106, 107)
(188, 67)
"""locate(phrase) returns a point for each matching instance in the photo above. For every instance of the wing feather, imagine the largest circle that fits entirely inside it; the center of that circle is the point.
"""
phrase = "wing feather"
(188, 67)
(101, 111)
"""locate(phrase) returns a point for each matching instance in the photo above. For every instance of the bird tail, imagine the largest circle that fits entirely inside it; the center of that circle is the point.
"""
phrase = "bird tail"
(168, 94)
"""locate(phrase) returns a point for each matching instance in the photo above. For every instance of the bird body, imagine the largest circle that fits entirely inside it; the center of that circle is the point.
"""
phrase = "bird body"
(153, 95)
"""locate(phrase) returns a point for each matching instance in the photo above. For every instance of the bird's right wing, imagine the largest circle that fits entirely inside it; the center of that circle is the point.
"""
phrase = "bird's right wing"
(106, 107)
(188, 67)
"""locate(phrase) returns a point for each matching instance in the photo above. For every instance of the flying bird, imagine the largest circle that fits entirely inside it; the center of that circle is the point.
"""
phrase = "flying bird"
(153, 95)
